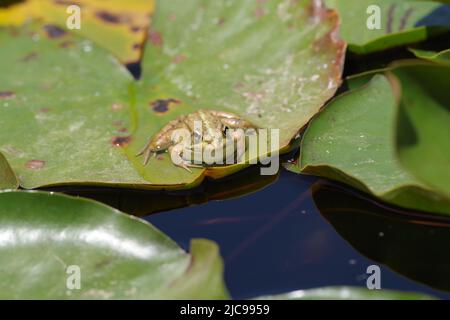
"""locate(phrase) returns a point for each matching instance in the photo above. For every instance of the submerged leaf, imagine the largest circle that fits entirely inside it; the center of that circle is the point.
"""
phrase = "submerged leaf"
(49, 239)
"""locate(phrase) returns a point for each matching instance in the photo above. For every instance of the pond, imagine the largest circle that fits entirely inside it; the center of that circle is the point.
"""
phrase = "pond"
(291, 232)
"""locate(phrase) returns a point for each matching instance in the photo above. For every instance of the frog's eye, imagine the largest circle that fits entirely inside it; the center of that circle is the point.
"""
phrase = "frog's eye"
(225, 129)
(197, 136)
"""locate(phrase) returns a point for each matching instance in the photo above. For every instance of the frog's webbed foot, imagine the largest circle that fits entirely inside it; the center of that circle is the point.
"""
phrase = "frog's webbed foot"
(181, 162)
(147, 152)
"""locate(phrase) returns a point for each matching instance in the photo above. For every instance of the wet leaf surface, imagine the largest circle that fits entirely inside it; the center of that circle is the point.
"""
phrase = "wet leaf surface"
(119, 257)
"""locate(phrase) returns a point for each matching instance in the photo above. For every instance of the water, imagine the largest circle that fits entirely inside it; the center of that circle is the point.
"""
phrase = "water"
(278, 234)
(276, 240)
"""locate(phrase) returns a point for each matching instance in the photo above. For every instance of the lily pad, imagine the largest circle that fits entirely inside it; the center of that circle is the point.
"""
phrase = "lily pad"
(8, 179)
(47, 238)
(442, 57)
(273, 63)
(401, 22)
(353, 141)
(423, 126)
(64, 110)
(347, 293)
(290, 65)
(116, 25)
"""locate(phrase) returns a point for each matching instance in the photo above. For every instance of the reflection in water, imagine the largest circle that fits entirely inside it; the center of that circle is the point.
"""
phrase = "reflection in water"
(145, 202)
(275, 240)
(411, 243)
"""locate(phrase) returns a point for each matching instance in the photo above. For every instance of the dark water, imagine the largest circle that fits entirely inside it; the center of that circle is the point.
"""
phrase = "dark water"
(276, 240)
(289, 232)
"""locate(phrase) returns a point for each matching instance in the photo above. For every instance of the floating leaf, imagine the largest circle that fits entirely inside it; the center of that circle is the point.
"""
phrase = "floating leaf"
(290, 65)
(442, 57)
(273, 63)
(48, 237)
(424, 124)
(346, 293)
(401, 22)
(353, 141)
(411, 243)
(117, 25)
(64, 111)
(8, 179)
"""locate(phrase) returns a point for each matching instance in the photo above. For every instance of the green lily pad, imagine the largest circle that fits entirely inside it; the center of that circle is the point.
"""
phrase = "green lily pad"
(423, 126)
(353, 141)
(274, 64)
(398, 23)
(46, 236)
(8, 179)
(85, 119)
(347, 293)
(442, 57)
(64, 110)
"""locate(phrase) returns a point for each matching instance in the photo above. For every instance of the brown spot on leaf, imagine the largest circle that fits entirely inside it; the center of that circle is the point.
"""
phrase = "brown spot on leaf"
(405, 18)
(136, 46)
(116, 106)
(162, 105)
(155, 38)
(120, 141)
(159, 157)
(35, 164)
(7, 94)
(172, 17)
(66, 44)
(135, 29)
(118, 123)
(67, 2)
(44, 110)
(259, 12)
(109, 17)
(390, 18)
(179, 58)
(123, 130)
(30, 56)
(54, 31)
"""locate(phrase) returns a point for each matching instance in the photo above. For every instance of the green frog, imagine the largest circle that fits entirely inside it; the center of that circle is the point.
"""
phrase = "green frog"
(201, 130)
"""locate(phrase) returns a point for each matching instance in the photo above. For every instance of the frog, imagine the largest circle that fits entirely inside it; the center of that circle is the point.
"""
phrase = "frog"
(207, 129)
